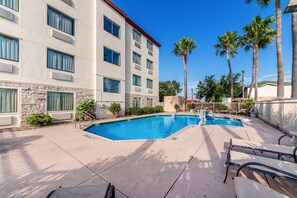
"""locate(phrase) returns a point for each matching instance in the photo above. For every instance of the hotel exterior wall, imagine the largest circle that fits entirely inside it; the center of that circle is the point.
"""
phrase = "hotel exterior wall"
(130, 70)
(106, 69)
(280, 113)
(35, 37)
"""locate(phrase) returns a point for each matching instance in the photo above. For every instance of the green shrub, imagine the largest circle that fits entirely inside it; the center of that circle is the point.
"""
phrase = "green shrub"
(148, 110)
(191, 106)
(176, 106)
(86, 106)
(158, 109)
(248, 104)
(136, 110)
(39, 120)
(115, 107)
(223, 107)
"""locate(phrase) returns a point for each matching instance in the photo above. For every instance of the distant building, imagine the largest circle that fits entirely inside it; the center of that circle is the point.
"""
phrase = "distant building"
(267, 90)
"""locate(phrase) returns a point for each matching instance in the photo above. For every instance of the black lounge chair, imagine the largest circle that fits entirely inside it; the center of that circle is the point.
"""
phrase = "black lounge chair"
(273, 167)
(98, 191)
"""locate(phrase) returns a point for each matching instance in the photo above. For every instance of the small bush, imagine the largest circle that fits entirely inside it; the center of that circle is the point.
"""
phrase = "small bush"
(115, 107)
(191, 106)
(39, 120)
(136, 111)
(86, 106)
(158, 109)
(176, 106)
(223, 107)
(248, 104)
(148, 110)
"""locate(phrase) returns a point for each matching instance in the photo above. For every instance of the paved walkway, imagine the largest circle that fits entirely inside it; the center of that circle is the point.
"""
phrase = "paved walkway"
(190, 165)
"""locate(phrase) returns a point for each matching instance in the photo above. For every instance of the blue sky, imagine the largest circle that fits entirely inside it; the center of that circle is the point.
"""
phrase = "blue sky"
(168, 20)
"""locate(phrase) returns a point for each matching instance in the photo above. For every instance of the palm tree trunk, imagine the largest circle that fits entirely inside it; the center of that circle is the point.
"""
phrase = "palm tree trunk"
(185, 80)
(230, 74)
(253, 76)
(256, 70)
(280, 65)
(294, 66)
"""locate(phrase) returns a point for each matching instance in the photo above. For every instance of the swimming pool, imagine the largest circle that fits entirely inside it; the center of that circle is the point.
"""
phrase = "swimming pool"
(223, 121)
(154, 127)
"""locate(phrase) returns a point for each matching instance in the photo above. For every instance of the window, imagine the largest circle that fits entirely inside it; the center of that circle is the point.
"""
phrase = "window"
(149, 83)
(111, 86)
(12, 4)
(9, 48)
(136, 58)
(111, 27)
(149, 64)
(136, 102)
(8, 100)
(111, 56)
(58, 101)
(149, 102)
(136, 36)
(60, 21)
(137, 80)
(60, 61)
(149, 45)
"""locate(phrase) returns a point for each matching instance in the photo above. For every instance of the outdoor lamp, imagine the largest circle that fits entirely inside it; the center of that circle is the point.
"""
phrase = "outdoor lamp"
(291, 7)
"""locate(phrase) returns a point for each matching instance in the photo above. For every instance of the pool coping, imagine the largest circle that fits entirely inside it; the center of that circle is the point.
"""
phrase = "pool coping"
(84, 132)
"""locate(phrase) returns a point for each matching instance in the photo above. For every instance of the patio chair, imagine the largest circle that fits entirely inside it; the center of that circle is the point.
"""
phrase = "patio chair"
(281, 150)
(246, 188)
(273, 167)
(98, 191)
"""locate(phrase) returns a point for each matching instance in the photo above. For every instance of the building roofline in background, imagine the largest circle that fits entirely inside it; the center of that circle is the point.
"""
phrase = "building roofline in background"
(272, 83)
(131, 22)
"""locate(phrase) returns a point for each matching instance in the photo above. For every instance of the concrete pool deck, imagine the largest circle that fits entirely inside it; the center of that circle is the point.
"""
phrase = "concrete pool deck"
(191, 164)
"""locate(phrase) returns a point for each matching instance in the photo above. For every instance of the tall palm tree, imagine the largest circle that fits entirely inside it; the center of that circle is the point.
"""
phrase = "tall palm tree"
(258, 35)
(183, 48)
(280, 65)
(228, 44)
(294, 66)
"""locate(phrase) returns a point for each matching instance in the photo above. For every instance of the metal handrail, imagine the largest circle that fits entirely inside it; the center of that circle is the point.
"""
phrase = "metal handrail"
(80, 121)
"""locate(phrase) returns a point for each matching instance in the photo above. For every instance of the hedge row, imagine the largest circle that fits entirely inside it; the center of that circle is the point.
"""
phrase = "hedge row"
(145, 110)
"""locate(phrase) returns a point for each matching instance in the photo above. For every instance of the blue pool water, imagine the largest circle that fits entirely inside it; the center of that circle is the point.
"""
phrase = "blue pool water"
(223, 121)
(155, 127)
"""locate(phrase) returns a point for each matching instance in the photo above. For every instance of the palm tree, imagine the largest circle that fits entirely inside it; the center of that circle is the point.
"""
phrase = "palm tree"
(280, 65)
(182, 48)
(228, 44)
(258, 35)
(294, 66)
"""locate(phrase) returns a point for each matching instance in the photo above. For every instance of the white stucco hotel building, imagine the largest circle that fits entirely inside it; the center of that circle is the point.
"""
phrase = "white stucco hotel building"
(54, 54)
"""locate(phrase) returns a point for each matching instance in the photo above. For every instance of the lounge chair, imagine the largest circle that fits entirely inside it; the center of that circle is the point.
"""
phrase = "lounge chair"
(246, 188)
(98, 191)
(260, 164)
(288, 151)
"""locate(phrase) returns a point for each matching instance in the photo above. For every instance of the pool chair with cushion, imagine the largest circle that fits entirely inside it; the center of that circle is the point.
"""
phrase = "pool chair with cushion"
(281, 150)
(246, 188)
(273, 167)
(98, 191)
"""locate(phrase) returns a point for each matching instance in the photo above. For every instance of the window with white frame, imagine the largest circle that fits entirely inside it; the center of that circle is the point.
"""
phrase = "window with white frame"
(9, 48)
(136, 36)
(111, 27)
(149, 83)
(60, 21)
(149, 45)
(136, 58)
(136, 102)
(12, 4)
(111, 56)
(60, 61)
(8, 100)
(149, 102)
(60, 101)
(149, 64)
(111, 86)
(137, 80)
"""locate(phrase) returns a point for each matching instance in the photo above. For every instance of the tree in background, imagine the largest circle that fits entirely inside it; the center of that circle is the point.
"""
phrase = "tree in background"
(169, 88)
(258, 35)
(213, 90)
(280, 65)
(183, 48)
(228, 44)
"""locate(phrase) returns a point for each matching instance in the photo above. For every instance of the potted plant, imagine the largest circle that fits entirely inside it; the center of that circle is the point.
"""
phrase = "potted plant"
(249, 106)
(191, 106)
(176, 107)
(87, 106)
(115, 108)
